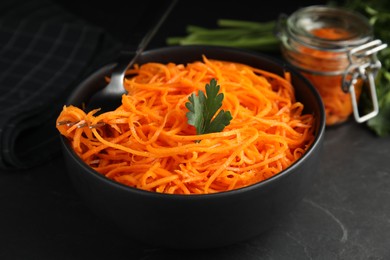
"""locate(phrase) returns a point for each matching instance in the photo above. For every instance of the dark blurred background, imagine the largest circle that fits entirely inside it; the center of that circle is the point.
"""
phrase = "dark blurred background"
(127, 21)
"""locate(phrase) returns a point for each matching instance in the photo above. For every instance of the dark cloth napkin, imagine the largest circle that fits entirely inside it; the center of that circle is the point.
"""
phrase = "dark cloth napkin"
(45, 51)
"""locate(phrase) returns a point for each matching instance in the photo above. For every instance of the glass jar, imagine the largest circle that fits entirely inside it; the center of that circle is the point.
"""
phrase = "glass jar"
(335, 50)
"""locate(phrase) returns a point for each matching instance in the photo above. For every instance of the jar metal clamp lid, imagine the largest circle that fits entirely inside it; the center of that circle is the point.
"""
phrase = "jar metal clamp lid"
(367, 71)
(351, 55)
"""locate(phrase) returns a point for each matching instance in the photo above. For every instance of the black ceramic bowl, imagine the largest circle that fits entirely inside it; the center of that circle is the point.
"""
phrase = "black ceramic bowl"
(199, 221)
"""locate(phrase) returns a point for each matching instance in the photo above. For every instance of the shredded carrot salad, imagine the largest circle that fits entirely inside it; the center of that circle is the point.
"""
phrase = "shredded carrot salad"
(147, 143)
(338, 104)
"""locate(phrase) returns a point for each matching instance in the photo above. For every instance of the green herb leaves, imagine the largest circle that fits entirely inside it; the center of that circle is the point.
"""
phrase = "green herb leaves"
(202, 109)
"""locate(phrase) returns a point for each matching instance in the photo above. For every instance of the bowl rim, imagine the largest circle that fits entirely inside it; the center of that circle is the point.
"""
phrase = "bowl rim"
(290, 169)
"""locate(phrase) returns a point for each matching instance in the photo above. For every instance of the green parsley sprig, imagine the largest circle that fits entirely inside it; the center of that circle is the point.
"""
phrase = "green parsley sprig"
(202, 109)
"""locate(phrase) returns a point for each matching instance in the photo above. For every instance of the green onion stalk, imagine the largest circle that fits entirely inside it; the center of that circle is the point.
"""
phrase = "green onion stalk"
(259, 36)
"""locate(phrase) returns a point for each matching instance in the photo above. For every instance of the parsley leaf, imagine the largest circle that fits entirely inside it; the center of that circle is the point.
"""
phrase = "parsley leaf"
(202, 109)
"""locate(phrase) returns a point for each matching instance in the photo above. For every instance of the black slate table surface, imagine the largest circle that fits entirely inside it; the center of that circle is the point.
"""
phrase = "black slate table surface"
(345, 214)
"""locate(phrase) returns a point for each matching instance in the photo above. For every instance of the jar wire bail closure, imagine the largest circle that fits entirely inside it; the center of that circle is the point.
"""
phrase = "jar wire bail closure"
(367, 71)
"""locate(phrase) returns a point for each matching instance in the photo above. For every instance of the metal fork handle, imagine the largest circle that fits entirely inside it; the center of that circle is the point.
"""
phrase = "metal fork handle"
(128, 58)
(118, 73)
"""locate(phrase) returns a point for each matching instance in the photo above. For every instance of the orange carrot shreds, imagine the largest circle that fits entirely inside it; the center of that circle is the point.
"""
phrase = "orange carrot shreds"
(338, 104)
(148, 144)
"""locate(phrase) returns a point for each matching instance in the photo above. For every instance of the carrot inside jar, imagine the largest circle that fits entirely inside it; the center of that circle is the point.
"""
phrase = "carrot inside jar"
(338, 104)
(331, 33)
